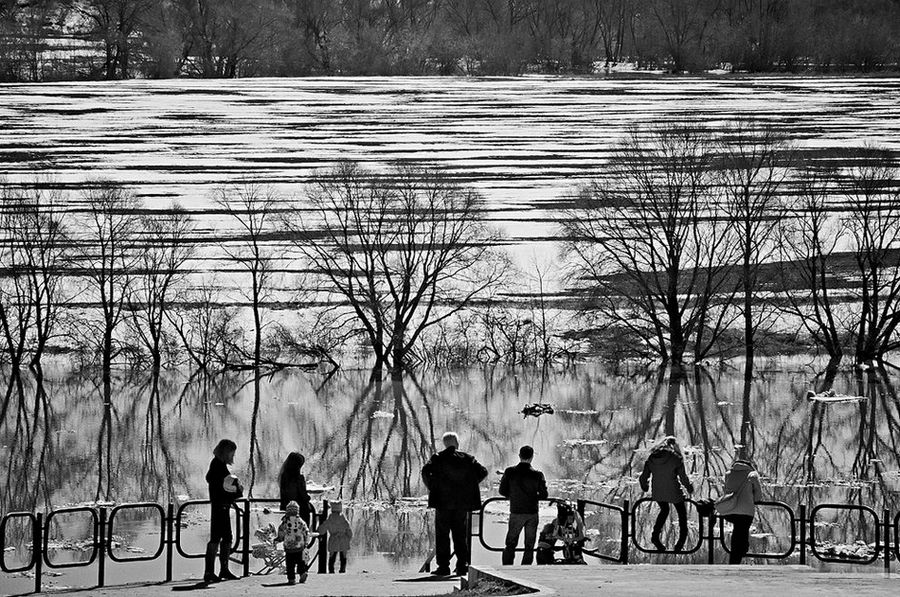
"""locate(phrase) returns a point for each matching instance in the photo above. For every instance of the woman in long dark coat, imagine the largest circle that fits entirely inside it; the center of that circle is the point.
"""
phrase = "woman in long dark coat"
(224, 489)
(292, 485)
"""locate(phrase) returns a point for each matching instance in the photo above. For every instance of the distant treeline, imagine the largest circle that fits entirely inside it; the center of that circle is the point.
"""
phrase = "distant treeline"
(44, 40)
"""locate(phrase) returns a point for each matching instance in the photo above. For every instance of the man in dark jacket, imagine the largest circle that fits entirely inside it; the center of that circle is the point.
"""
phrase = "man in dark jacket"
(525, 487)
(452, 479)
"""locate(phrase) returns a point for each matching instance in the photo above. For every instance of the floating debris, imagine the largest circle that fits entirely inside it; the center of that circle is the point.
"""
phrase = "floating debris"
(580, 441)
(832, 396)
(382, 414)
(580, 412)
(536, 410)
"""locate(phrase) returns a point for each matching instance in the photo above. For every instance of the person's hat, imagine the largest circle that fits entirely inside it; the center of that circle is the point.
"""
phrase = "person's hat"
(337, 507)
(230, 484)
(293, 508)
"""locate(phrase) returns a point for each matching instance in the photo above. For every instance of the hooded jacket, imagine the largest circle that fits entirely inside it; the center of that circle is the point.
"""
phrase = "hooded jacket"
(293, 531)
(667, 469)
(743, 479)
(339, 532)
(452, 479)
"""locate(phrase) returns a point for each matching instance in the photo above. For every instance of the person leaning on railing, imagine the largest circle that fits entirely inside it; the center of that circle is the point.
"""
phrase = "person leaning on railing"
(738, 504)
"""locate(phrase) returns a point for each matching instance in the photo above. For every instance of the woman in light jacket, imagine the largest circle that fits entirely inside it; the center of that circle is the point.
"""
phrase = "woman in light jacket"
(743, 480)
(670, 481)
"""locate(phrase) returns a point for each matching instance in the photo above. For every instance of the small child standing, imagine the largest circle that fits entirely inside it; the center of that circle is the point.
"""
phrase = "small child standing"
(339, 534)
(295, 534)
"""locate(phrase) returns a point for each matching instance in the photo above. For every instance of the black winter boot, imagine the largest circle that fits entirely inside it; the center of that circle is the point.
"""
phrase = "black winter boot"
(209, 574)
(224, 573)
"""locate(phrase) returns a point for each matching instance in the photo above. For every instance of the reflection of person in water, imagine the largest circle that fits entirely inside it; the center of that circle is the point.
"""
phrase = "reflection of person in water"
(568, 528)
(224, 489)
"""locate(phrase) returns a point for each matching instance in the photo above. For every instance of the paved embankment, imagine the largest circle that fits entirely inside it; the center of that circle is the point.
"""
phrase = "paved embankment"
(274, 585)
(565, 581)
(690, 581)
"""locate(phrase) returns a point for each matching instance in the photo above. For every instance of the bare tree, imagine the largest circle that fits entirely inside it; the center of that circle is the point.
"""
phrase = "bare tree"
(252, 206)
(406, 251)
(115, 23)
(208, 331)
(36, 247)
(753, 172)
(873, 223)
(164, 248)
(108, 238)
(646, 238)
(808, 240)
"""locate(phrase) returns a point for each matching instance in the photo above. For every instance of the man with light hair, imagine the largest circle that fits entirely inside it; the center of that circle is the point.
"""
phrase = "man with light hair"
(452, 479)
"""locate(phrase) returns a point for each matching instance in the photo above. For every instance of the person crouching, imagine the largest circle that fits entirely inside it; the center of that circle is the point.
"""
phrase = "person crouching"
(295, 534)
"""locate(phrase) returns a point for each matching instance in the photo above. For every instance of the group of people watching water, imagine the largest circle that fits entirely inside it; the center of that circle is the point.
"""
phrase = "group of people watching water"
(453, 478)
(294, 530)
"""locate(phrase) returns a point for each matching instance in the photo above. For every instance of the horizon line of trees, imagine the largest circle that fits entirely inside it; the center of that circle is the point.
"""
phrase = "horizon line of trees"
(43, 40)
(693, 246)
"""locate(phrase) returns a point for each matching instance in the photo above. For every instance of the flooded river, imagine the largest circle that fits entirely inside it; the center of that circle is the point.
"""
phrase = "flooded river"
(367, 442)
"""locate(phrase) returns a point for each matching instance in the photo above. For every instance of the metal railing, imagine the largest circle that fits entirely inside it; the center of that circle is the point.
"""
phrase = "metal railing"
(802, 533)
(802, 530)
(102, 547)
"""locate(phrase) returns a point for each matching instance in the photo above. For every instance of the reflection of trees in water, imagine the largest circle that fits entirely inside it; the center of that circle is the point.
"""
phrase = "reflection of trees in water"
(75, 440)
(154, 437)
(26, 443)
(380, 448)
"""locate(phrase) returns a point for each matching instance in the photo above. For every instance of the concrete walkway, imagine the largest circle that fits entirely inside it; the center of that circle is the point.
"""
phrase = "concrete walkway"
(274, 585)
(690, 581)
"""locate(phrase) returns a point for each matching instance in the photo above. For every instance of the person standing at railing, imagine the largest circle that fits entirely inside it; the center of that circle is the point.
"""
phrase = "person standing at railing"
(524, 487)
(670, 481)
(292, 485)
(738, 505)
(224, 489)
(339, 535)
(452, 479)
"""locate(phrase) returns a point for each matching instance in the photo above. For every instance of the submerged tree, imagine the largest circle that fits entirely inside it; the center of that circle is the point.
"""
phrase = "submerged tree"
(251, 207)
(107, 242)
(753, 169)
(646, 239)
(873, 224)
(809, 238)
(164, 248)
(406, 251)
(32, 256)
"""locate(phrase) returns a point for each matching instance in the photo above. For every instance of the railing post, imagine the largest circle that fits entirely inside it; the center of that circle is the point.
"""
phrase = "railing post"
(710, 539)
(170, 539)
(100, 535)
(468, 538)
(802, 534)
(323, 540)
(245, 540)
(37, 549)
(626, 530)
(887, 542)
